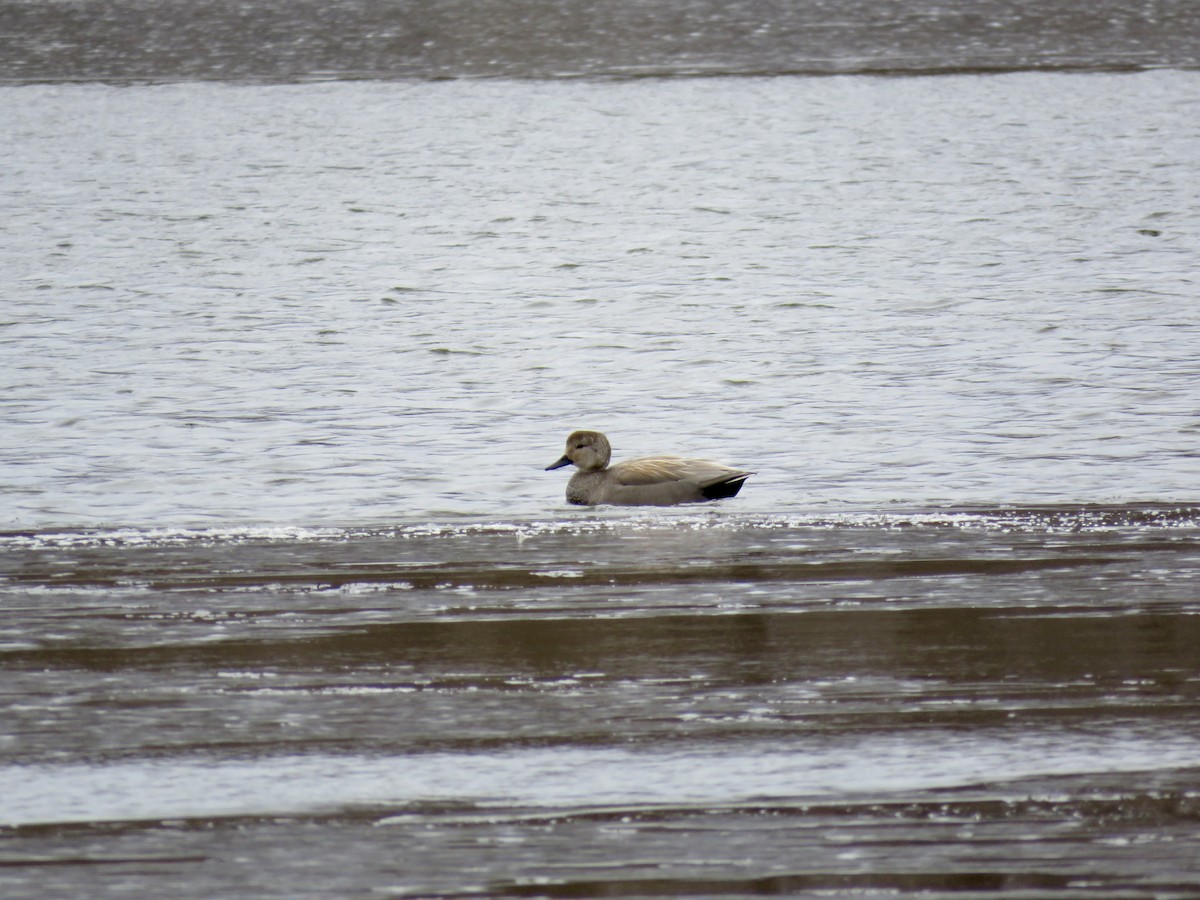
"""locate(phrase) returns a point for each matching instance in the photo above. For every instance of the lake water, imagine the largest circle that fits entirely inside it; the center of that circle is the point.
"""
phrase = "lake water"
(291, 608)
(348, 302)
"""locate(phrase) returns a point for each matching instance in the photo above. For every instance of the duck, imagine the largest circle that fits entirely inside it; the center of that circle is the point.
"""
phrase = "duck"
(646, 481)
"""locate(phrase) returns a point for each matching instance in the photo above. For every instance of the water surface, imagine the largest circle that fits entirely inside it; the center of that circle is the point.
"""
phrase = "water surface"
(368, 302)
(968, 700)
(132, 40)
(290, 607)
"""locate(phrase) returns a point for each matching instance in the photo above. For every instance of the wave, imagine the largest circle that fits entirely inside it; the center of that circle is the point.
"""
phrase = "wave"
(1047, 518)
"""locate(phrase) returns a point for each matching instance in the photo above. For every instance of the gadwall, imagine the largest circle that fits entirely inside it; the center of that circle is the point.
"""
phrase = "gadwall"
(649, 481)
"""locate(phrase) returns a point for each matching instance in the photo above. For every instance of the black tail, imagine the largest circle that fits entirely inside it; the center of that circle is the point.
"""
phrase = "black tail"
(727, 487)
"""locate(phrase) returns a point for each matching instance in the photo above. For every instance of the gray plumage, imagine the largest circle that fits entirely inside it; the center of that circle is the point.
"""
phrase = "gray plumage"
(648, 481)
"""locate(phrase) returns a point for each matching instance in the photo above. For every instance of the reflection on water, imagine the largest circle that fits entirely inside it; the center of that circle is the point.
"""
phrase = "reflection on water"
(578, 778)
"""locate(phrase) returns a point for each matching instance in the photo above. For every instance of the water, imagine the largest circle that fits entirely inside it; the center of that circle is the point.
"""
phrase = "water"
(289, 333)
(356, 302)
(133, 40)
(991, 700)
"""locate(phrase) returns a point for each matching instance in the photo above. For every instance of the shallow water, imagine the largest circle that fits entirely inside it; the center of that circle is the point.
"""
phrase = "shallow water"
(290, 607)
(980, 700)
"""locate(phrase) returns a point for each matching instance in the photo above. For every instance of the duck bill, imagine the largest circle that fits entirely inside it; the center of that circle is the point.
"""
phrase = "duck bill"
(558, 465)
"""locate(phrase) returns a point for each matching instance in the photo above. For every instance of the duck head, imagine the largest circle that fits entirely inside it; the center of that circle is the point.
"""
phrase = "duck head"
(589, 450)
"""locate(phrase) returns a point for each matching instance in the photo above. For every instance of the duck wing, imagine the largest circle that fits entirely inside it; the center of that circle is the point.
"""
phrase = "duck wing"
(668, 480)
(667, 469)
